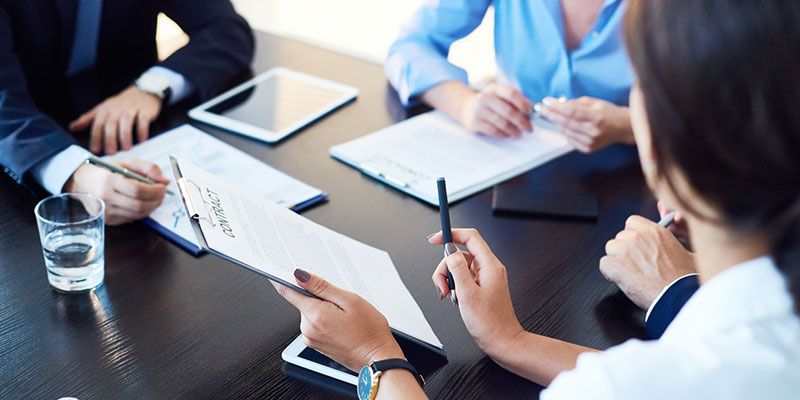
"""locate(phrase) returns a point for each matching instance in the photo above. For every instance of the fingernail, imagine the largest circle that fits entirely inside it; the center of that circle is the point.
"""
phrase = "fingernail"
(548, 101)
(429, 236)
(301, 275)
(562, 99)
(439, 293)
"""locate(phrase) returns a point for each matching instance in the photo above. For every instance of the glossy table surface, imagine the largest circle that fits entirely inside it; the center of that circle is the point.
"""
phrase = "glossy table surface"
(168, 325)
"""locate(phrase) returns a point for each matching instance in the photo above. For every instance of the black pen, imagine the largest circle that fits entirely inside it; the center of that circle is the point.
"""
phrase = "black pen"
(447, 235)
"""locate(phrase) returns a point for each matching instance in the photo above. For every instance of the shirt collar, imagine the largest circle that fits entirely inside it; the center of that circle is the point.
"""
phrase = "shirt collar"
(745, 293)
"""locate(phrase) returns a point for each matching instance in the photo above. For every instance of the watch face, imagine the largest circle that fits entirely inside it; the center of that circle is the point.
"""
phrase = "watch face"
(364, 383)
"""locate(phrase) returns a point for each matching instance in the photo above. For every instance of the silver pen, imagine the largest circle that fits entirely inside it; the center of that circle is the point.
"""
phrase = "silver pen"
(98, 162)
(668, 219)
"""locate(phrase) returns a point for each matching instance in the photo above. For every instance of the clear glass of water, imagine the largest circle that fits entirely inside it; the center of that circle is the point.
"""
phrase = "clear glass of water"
(71, 228)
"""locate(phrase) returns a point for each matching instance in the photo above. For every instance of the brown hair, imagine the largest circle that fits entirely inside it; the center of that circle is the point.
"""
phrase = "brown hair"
(721, 85)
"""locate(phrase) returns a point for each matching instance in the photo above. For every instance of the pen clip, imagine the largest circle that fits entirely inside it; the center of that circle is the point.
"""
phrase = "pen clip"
(191, 207)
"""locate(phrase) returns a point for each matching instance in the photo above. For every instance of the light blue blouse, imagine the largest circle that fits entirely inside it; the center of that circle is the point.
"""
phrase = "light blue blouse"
(530, 49)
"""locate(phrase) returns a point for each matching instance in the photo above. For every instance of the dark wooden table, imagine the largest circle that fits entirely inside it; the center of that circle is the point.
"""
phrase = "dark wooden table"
(167, 325)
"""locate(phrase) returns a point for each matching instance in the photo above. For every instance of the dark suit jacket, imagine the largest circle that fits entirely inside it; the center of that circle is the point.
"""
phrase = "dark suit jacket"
(35, 47)
(669, 304)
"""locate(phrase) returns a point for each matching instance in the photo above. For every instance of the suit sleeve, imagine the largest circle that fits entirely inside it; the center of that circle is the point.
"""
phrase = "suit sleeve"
(669, 303)
(220, 44)
(27, 135)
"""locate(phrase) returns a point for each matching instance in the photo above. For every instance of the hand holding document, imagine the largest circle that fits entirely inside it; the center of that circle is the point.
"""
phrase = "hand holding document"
(268, 239)
(218, 158)
(412, 154)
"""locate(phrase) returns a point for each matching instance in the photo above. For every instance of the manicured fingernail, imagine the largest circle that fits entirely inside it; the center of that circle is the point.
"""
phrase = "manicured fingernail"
(429, 236)
(548, 101)
(301, 275)
(562, 99)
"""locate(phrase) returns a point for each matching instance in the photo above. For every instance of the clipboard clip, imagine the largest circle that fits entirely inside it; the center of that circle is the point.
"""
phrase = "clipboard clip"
(192, 209)
(378, 174)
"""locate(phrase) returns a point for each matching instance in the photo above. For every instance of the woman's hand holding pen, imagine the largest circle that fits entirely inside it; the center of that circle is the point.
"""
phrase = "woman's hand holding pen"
(126, 199)
(590, 124)
(483, 296)
(340, 324)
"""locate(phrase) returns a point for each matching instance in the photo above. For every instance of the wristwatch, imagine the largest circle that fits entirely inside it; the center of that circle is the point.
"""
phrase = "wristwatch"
(370, 375)
(155, 84)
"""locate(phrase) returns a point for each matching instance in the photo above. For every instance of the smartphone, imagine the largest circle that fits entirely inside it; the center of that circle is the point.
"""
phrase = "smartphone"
(521, 200)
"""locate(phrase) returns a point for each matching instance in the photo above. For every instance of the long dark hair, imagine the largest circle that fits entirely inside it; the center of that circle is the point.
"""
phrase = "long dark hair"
(721, 85)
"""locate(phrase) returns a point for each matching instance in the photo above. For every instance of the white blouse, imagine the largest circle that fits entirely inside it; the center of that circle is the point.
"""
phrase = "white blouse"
(736, 338)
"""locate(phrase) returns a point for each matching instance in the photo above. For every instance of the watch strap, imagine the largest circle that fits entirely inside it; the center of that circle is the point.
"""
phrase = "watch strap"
(398, 363)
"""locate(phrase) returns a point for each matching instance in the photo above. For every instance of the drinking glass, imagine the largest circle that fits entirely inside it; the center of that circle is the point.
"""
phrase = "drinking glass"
(72, 232)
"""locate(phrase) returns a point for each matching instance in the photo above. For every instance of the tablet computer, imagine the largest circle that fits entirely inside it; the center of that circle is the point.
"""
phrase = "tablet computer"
(426, 361)
(298, 354)
(274, 104)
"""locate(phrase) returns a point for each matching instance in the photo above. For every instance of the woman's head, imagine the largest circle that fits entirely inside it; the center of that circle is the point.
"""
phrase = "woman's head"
(717, 111)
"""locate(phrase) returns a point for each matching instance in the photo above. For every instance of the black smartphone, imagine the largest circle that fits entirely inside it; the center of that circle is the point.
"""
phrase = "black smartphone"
(522, 200)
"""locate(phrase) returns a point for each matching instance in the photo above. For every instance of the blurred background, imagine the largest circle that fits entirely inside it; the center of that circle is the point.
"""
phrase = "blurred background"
(361, 28)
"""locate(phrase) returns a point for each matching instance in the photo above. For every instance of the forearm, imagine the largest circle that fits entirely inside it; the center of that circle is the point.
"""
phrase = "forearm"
(396, 383)
(448, 98)
(399, 384)
(537, 358)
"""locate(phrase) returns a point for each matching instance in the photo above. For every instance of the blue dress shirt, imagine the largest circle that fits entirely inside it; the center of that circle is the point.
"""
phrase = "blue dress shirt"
(530, 50)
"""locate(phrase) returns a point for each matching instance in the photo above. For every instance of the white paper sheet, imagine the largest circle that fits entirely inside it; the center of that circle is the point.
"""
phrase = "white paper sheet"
(412, 154)
(189, 143)
(275, 241)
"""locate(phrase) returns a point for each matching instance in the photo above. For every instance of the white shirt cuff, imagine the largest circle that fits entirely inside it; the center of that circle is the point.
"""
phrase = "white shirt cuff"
(653, 304)
(55, 171)
(180, 87)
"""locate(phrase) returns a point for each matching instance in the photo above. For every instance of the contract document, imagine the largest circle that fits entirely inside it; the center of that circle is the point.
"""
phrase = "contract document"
(268, 239)
(221, 159)
(412, 154)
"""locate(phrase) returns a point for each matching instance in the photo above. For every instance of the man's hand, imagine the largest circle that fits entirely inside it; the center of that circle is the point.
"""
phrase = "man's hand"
(112, 121)
(126, 199)
(590, 124)
(643, 259)
(497, 110)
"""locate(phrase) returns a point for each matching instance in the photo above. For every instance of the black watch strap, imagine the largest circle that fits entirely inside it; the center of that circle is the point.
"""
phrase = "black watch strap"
(398, 363)
(167, 96)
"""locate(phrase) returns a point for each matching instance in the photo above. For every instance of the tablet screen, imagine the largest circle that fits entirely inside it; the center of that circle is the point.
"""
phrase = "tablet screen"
(278, 102)
(317, 357)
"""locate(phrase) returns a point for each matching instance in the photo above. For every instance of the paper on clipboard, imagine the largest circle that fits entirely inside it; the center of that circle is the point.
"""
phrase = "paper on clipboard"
(412, 154)
(219, 158)
(258, 234)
